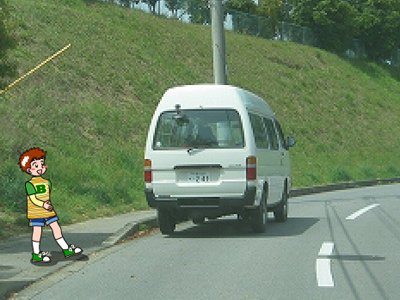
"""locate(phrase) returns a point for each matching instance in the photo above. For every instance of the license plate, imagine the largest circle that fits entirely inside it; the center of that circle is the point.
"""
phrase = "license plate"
(198, 177)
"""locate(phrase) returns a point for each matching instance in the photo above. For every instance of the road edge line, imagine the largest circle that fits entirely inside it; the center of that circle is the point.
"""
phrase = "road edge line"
(361, 211)
(317, 189)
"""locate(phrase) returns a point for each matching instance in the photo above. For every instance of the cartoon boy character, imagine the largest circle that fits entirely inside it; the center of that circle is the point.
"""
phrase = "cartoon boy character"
(39, 208)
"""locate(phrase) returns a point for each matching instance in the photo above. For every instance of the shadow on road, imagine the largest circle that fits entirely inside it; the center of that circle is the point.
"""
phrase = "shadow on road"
(23, 244)
(232, 228)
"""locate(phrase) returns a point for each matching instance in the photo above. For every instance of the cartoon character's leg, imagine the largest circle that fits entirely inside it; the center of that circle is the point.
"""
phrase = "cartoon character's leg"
(37, 255)
(68, 250)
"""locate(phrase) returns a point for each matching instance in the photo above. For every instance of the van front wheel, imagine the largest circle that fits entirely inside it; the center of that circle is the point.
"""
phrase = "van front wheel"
(166, 221)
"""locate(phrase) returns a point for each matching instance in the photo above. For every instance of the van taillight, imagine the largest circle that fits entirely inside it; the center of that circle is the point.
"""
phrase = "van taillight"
(147, 171)
(251, 168)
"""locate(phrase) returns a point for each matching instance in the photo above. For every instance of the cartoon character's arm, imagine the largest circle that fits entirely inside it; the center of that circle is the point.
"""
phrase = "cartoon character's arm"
(36, 201)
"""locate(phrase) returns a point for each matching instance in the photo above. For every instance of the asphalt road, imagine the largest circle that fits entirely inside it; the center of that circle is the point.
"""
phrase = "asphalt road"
(337, 245)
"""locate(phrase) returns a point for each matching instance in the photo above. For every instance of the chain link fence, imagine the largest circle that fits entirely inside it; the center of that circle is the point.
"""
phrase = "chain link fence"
(268, 29)
(355, 49)
(198, 11)
(395, 61)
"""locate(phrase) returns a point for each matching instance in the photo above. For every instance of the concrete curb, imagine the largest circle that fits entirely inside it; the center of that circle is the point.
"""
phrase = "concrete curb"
(129, 230)
(341, 186)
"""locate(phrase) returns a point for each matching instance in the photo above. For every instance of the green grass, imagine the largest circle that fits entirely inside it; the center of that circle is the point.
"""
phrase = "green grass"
(90, 108)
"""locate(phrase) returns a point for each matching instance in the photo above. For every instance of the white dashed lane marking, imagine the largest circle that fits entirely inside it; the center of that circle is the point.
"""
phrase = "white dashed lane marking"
(323, 266)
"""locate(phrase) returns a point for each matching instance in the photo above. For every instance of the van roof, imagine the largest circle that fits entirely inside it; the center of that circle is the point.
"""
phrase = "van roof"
(213, 96)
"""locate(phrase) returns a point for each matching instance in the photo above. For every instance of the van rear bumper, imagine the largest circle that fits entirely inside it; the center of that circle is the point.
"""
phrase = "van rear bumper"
(201, 202)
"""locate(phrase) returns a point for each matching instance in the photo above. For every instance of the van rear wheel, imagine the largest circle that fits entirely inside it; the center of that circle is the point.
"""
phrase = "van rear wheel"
(258, 218)
(166, 221)
(281, 211)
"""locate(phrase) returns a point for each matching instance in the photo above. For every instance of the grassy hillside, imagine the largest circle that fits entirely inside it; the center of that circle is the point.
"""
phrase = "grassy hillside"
(90, 108)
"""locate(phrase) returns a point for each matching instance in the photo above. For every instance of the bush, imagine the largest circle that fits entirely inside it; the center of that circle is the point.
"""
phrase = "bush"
(8, 41)
(13, 189)
(393, 171)
(341, 174)
(368, 172)
(73, 3)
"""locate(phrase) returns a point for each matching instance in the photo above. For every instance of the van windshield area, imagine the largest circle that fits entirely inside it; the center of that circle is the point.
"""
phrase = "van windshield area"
(215, 128)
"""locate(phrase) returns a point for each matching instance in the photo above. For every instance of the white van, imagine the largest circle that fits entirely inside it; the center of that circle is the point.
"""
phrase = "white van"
(215, 150)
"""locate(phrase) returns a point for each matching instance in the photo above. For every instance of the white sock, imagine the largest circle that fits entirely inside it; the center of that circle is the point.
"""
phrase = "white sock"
(36, 247)
(63, 244)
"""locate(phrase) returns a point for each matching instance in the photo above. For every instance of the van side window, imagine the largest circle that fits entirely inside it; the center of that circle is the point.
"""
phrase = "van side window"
(271, 134)
(280, 134)
(259, 131)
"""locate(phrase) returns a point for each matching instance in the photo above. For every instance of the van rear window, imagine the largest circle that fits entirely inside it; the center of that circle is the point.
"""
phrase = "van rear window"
(216, 128)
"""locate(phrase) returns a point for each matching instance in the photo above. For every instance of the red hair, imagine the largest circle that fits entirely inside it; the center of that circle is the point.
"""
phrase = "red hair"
(29, 155)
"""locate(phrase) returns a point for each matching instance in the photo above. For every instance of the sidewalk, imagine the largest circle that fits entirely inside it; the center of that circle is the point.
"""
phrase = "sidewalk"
(16, 270)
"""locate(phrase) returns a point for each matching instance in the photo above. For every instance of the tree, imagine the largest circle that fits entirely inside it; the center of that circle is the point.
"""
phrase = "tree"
(199, 11)
(174, 6)
(246, 6)
(7, 42)
(273, 12)
(272, 9)
(376, 23)
(287, 8)
(243, 13)
(333, 21)
(152, 5)
(379, 28)
(262, 19)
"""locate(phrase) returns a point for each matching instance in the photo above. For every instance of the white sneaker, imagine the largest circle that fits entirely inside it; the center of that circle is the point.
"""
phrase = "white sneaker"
(41, 257)
(72, 250)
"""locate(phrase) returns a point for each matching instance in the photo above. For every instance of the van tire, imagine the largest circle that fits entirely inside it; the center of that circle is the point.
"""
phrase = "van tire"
(259, 216)
(166, 221)
(281, 211)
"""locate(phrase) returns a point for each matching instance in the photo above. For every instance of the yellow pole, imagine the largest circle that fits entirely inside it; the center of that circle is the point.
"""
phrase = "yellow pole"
(35, 69)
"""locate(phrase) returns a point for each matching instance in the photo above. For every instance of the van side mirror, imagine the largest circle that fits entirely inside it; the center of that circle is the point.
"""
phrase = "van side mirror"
(290, 142)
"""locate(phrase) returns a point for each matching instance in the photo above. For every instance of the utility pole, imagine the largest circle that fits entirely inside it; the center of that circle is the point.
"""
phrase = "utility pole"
(219, 47)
